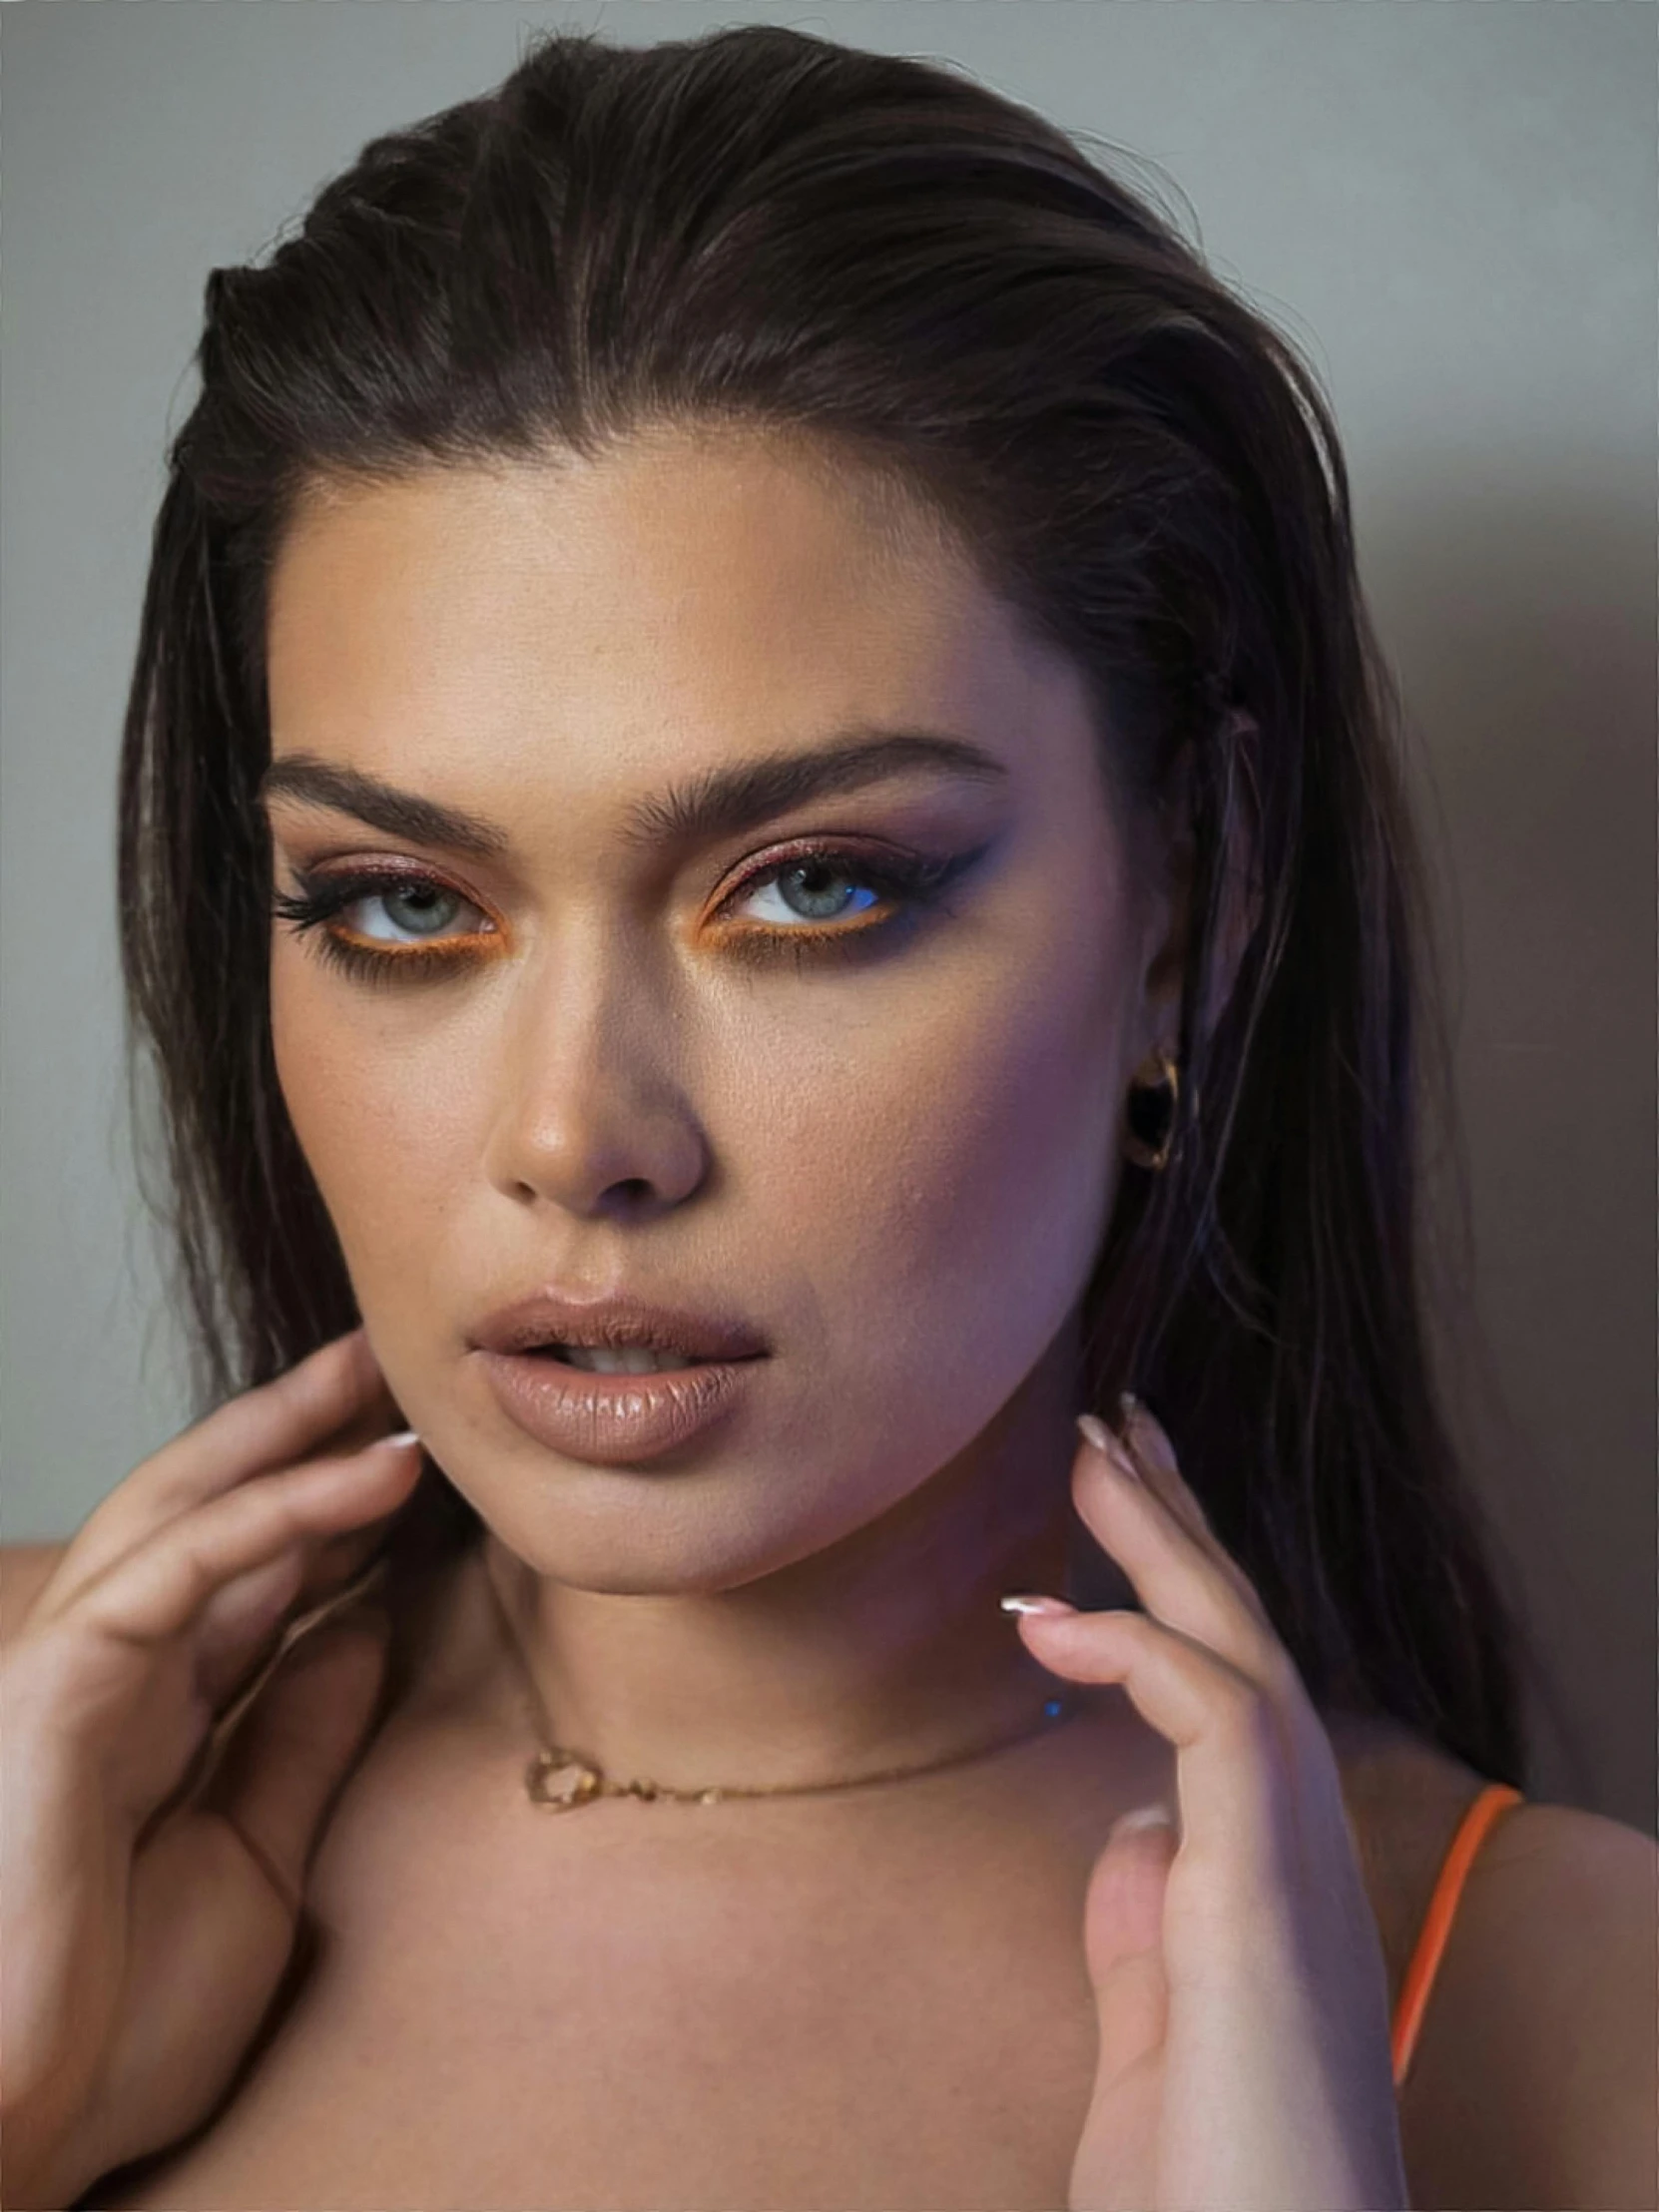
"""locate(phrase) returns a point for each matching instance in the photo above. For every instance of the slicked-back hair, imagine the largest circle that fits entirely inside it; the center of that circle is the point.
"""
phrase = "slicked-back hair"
(917, 280)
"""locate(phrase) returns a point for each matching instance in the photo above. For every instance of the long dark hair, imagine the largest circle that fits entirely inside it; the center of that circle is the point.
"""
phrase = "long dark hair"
(892, 266)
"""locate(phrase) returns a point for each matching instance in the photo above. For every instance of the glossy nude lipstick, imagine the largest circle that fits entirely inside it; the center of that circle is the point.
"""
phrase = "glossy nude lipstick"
(532, 1354)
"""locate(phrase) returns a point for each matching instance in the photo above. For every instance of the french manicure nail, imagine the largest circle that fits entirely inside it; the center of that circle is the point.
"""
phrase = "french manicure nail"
(1144, 1815)
(1035, 1605)
(1098, 1434)
(1151, 1439)
(403, 1436)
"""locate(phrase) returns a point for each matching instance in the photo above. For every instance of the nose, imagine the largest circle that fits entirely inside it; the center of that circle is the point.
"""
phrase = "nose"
(592, 1115)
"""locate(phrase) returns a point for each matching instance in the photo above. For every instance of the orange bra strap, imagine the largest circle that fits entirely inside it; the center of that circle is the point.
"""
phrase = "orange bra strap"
(1436, 1921)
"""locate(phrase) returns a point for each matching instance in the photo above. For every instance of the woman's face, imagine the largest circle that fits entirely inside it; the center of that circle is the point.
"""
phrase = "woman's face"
(577, 1049)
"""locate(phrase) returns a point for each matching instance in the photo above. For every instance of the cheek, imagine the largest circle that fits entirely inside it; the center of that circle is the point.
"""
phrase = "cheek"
(385, 1126)
(918, 1164)
(946, 1177)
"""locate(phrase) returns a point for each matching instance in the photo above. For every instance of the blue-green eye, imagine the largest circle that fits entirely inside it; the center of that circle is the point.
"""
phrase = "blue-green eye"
(411, 913)
(405, 914)
(381, 925)
(814, 889)
(796, 908)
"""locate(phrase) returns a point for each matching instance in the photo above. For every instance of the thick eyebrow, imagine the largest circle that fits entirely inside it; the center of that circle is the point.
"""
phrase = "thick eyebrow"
(713, 804)
(725, 800)
(346, 790)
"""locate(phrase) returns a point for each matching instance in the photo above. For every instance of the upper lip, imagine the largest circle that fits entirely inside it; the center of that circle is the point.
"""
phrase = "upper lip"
(616, 1323)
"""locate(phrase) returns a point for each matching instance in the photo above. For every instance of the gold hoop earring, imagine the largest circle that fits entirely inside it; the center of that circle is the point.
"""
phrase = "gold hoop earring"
(1151, 1112)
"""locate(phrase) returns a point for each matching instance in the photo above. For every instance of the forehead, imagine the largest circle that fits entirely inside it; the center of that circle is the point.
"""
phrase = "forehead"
(682, 598)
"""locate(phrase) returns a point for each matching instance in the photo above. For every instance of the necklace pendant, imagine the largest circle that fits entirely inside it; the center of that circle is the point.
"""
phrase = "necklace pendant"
(560, 1779)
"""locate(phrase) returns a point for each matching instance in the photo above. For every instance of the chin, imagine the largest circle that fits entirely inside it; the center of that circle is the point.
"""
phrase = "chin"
(645, 1532)
(778, 1481)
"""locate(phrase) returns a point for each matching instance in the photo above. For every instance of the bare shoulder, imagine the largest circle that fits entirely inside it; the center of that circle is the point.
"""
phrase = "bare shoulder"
(1539, 2056)
(1536, 2074)
(24, 1570)
(1404, 1798)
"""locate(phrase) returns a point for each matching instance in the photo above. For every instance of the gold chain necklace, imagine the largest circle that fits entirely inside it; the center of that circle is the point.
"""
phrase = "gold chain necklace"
(563, 1779)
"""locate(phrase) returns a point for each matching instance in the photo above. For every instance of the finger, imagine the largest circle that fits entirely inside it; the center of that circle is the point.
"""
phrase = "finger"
(329, 1562)
(214, 1895)
(1237, 1774)
(1139, 1447)
(336, 1560)
(242, 1615)
(1124, 1945)
(276, 1424)
(246, 1613)
(1154, 1460)
(1179, 1573)
(1123, 1925)
(208, 1940)
(244, 1682)
(159, 1589)
(282, 1771)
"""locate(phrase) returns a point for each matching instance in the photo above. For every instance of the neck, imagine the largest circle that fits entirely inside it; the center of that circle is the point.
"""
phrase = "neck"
(885, 1649)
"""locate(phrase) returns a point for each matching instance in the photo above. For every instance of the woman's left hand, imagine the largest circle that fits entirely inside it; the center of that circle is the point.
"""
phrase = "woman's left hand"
(1245, 2060)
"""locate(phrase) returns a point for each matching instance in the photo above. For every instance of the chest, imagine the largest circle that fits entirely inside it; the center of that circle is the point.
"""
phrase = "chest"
(646, 2011)
(631, 2007)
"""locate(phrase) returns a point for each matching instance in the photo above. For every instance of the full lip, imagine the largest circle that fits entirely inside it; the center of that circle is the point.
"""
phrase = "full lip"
(614, 1421)
(616, 1321)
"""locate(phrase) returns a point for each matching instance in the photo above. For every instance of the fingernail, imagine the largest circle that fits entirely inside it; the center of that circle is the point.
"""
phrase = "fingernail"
(403, 1436)
(1151, 1437)
(1144, 1815)
(1024, 1604)
(1097, 1434)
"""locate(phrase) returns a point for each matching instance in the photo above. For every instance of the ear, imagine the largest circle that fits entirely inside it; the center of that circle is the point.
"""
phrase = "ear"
(1170, 915)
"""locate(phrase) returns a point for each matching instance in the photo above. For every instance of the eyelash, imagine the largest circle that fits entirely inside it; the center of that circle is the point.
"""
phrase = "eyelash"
(914, 882)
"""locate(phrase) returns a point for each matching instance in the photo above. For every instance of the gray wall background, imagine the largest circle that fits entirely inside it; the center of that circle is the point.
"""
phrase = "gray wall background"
(1449, 204)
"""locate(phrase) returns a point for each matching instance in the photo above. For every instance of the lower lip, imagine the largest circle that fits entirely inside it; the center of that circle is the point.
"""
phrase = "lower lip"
(614, 1419)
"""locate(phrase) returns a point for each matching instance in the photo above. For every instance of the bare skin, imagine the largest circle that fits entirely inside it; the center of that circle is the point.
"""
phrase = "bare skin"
(549, 2112)
(897, 1166)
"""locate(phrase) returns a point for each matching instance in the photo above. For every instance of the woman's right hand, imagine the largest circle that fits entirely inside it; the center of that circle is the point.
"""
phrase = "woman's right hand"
(140, 1954)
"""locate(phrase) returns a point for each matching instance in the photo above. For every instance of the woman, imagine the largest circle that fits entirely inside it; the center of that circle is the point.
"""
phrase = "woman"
(688, 501)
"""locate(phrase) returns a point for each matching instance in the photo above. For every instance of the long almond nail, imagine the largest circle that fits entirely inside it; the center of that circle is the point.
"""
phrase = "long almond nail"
(1109, 1447)
(1095, 1431)
(1151, 1439)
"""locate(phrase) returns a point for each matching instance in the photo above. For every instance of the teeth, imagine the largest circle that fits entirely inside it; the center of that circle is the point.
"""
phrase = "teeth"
(595, 1360)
